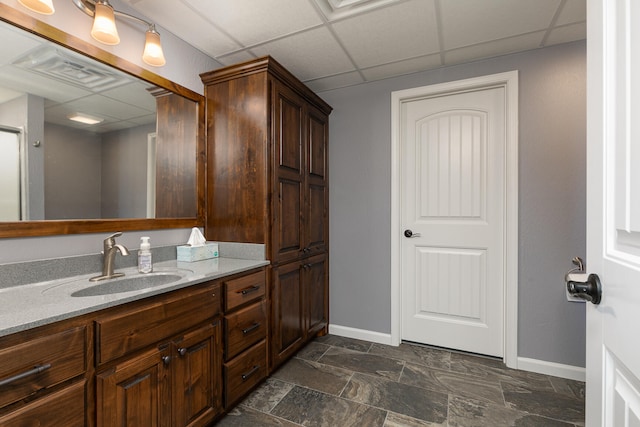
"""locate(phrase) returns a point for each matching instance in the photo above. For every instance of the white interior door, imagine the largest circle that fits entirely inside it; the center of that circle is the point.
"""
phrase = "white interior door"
(453, 166)
(10, 178)
(613, 212)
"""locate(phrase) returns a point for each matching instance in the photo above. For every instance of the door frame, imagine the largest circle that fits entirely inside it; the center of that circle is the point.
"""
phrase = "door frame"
(509, 81)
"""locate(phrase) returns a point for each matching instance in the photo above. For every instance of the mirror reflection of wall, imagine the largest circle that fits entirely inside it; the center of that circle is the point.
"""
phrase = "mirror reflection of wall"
(95, 175)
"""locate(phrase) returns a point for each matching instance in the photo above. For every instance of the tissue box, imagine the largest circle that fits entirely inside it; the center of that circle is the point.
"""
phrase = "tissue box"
(197, 253)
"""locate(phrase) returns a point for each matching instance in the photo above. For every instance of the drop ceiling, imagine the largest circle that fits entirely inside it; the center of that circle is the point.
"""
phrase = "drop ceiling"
(335, 43)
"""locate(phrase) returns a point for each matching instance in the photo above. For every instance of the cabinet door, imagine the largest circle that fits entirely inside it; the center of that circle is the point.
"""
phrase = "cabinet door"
(135, 392)
(288, 132)
(316, 294)
(316, 216)
(197, 374)
(287, 324)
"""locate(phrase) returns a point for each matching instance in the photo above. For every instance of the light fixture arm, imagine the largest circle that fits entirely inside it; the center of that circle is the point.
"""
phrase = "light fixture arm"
(89, 7)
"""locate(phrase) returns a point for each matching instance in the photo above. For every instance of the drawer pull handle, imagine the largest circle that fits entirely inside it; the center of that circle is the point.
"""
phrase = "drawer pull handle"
(250, 289)
(36, 370)
(251, 372)
(251, 328)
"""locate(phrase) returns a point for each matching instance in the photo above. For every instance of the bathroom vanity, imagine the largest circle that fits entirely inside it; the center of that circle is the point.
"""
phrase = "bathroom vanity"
(141, 357)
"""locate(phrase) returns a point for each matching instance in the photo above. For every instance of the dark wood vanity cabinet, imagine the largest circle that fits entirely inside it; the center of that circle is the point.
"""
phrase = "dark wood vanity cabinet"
(267, 182)
(245, 337)
(158, 361)
(43, 377)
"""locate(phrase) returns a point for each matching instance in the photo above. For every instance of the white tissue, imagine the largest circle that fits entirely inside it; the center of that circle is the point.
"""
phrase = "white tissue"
(196, 238)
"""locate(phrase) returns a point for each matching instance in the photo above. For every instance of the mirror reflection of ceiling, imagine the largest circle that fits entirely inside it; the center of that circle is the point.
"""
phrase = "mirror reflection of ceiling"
(71, 84)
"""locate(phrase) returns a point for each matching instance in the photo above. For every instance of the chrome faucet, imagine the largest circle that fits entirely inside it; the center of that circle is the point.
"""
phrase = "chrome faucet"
(109, 255)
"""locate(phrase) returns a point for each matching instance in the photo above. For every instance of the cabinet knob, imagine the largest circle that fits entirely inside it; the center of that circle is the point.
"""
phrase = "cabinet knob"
(166, 359)
(182, 351)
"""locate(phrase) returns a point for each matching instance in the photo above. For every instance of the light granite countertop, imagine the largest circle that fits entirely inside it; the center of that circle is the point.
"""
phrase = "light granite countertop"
(36, 304)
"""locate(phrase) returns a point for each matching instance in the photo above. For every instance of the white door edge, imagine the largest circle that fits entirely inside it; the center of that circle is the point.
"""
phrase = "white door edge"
(508, 80)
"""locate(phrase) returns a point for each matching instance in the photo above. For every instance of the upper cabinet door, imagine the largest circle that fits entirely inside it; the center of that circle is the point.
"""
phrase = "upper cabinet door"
(288, 150)
(316, 214)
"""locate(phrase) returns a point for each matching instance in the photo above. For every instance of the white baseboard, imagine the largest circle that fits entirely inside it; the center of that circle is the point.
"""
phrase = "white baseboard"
(551, 368)
(360, 334)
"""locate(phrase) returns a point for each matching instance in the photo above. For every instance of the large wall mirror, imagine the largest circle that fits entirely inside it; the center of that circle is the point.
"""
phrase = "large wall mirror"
(90, 142)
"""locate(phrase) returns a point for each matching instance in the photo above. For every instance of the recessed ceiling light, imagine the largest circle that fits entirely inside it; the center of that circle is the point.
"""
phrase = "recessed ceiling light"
(85, 118)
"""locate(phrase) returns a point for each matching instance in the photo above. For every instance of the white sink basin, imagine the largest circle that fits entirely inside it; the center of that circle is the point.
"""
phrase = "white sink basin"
(128, 284)
(132, 281)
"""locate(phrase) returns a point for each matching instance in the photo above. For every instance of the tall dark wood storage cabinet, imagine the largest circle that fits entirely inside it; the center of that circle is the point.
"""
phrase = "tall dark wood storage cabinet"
(267, 182)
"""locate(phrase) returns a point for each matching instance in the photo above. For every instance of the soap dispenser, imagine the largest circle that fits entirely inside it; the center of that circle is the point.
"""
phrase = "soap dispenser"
(144, 256)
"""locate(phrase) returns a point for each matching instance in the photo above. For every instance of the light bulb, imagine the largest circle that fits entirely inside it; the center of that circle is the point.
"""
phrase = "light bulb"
(153, 54)
(104, 25)
(44, 7)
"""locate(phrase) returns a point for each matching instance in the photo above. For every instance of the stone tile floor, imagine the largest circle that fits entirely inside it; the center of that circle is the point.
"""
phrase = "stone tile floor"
(337, 381)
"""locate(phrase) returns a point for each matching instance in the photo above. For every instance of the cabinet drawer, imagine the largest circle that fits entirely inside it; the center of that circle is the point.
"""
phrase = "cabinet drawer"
(244, 328)
(155, 321)
(243, 290)
(40, 363)
(62, 408)
(244, 372)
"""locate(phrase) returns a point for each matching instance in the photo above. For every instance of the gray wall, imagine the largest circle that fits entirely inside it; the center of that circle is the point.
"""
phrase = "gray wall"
(552, 140)
(72, 168)
(124, 172)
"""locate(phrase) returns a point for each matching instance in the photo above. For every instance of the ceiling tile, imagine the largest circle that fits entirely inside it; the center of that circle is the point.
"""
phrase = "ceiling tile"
(135, 93)
(99, 105)
(181, 20)
(334, 82)
(309, 55)
(19, 46)
(255, 21)
(468, 22)
(390, 34)
(572, 12)
(499, 47)
(567, 33)
(236, 57)
(402, 67)
(28, 82)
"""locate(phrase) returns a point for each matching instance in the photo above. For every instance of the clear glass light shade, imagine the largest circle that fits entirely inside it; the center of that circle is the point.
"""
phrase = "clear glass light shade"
(104, 25)
(153, 54)
(44, 7)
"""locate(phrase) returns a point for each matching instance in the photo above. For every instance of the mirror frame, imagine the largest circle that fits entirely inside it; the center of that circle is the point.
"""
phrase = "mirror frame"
(57, 227)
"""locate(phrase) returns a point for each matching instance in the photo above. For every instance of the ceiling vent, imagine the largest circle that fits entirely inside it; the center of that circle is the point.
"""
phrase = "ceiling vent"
(336, 9)
(73, 69)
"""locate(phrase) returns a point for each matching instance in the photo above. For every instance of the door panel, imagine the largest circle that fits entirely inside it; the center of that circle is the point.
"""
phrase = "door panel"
(453, 200)
(286, 299)
(288, 128)
(613, 212)
(315, 282)
(197, 387)
(135, 393)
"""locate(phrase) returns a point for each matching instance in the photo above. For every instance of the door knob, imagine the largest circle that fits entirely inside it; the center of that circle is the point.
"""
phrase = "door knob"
(409, 234)
(591, 290)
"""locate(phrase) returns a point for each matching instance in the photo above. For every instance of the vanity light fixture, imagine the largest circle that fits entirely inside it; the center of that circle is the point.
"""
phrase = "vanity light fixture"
(104, 25)
(104, 29)
(44, 7)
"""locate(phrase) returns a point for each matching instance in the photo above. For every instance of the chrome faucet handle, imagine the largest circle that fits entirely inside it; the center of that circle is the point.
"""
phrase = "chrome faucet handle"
(110, 241)
(112, 238)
